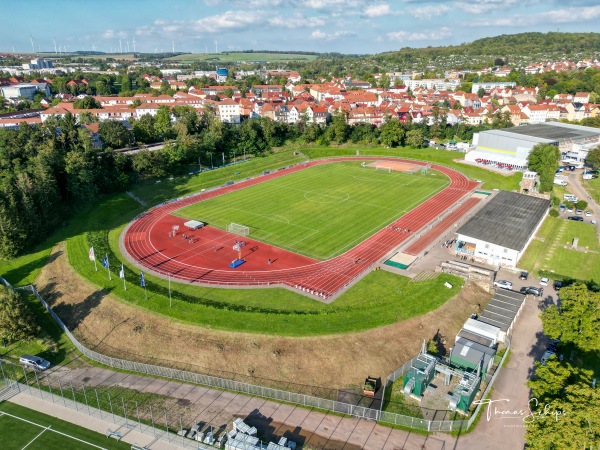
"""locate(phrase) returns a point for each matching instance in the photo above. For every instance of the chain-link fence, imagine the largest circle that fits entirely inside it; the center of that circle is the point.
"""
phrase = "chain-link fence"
(280, 395)
(127, 412)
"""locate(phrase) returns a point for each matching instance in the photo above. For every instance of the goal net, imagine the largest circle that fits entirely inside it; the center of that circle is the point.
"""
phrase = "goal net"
(236, 228)
(387, 169)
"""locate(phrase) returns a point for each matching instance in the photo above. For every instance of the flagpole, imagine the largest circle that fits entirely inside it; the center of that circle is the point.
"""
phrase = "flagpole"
(170, 300)
(145, 291)
(123, 276)
(108, 268)
(95, 265)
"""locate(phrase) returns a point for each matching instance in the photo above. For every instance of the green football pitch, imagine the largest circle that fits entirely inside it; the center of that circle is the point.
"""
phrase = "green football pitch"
(321, 211)
(23, 428)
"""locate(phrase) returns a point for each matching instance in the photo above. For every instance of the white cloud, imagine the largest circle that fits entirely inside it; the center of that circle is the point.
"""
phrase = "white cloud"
(558, 16)
(296, 21)
(326, 4)
(486, 6)
(431, 35)
(428, 11)
(113, 34)
(381, 9)
(319, 35)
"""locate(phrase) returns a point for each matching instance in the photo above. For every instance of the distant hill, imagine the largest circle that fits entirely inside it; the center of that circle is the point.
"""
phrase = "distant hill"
(513, 47)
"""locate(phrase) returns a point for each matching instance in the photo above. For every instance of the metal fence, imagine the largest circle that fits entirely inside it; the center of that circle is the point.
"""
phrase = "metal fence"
(262, 391)
(126, 414)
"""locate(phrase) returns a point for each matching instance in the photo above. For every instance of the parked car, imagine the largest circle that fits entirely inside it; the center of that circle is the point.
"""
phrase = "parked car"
(588, 213)
(544, 281)
(546, 356)
(536, 291)
(523, 275)
(503, 284)
(557, 285)
(576, 218)
(579, 212)
(34, 362)
(553, 345)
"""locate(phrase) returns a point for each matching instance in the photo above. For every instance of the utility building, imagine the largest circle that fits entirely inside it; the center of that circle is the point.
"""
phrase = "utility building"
(499, 233)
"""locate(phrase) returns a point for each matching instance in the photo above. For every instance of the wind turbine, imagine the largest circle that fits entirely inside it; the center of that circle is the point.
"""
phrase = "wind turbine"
(173, 42)
(133, 44)
(127, 46)
(32, 46)
(55, 52)
(120, 47)
(13, 45)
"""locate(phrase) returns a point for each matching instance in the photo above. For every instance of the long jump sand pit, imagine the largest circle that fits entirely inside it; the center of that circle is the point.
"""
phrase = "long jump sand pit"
(397, 166)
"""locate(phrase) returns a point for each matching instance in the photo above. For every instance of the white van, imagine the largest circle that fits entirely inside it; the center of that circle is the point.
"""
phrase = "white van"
(560, 182)
(570, 198)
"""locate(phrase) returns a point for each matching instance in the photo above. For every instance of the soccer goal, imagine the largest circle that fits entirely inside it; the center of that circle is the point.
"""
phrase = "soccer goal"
(387, 169)
(236, 228)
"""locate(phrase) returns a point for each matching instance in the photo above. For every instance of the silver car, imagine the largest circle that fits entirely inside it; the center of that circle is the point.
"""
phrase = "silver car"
(34, 362)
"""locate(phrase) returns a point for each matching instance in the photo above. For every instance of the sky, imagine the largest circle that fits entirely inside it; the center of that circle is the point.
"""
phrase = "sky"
(344, 26)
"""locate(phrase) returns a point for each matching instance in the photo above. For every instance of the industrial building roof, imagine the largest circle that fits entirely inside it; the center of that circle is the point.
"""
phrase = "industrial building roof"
(501, 311)
(554, 131)
(508, 220)
(471, 336)
(472, 351)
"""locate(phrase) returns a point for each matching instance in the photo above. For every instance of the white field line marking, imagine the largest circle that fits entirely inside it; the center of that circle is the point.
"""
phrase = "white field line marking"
(40, 433)
(50, 429)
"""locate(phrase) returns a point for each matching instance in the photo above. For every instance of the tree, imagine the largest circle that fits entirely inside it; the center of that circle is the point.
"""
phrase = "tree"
(163, 125)
(125, 83)
(339, 129)
(114, 134)
(593, 158)
(144, 129)
(577, 319)
(480, 92)
(16, 320)
(544, 159)
(563, 407)
(392, 133)
(415, 139)
(87, 103)
(581, 204)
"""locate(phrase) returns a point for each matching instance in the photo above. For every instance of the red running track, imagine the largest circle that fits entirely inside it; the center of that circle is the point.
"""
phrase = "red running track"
(145, 241)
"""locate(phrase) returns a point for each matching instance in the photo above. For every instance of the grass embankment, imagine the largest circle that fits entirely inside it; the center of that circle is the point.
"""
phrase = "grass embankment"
(550, 250)
(379, 299)
(50, 343)
(46, 432)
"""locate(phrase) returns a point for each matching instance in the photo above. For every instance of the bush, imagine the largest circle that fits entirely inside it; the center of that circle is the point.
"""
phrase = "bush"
(553, 212)
(581, 204)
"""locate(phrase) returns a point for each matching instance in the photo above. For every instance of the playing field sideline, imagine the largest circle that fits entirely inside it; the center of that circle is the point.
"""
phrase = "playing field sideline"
(21, 428)
(322, 211)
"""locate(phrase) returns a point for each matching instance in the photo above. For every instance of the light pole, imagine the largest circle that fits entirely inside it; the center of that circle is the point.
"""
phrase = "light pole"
(211, 161)
(200, 164)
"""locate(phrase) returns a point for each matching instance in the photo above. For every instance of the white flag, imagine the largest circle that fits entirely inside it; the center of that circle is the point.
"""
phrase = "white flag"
(122, 271)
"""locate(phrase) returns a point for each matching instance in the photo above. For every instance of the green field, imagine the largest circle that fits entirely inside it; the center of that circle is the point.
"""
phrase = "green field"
(550, 251)
(233, 57)
(321, 211)
(22, 428)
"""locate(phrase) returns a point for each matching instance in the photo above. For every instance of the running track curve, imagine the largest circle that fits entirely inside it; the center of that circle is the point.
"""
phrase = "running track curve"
(322, 279)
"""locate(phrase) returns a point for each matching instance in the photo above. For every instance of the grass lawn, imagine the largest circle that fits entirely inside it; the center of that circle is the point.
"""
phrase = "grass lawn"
(549, 250)
(21, 427)
(593, 188)
(396, 402)
(321, 211)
